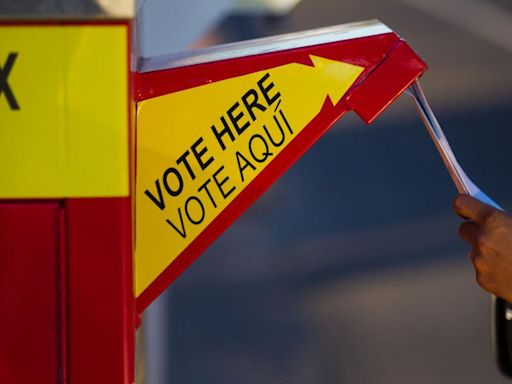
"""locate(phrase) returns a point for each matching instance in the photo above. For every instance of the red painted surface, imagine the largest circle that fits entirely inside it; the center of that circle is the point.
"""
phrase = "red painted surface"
(100, 291)
(66, 295)
(367, 52)
(29, 254)
(387, 81)
(390, 66)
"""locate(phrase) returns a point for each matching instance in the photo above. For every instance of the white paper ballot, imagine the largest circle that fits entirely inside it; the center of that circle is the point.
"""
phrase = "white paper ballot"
(461, 180)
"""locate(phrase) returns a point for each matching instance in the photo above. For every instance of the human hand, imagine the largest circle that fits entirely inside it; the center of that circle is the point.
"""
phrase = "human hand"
(489, 231)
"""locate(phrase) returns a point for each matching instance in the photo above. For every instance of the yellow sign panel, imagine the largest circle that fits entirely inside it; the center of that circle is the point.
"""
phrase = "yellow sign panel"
(199, 148)
(63, 111)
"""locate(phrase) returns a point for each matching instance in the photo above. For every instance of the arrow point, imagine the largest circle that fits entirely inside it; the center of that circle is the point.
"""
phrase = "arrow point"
(339, 75)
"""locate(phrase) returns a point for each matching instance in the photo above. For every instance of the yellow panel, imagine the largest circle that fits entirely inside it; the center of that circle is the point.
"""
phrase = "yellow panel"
(69, 137)
(187, 174)
(97, 111)
(31, 137)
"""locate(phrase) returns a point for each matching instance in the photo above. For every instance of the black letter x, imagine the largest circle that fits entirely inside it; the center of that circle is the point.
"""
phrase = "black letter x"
(4, 86)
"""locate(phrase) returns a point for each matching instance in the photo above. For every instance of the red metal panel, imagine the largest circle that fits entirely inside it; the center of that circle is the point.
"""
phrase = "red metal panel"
(386, 83)
(100, 291)
(29, 248)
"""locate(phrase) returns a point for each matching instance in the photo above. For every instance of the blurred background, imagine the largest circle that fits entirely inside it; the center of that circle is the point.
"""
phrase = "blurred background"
(349, 269)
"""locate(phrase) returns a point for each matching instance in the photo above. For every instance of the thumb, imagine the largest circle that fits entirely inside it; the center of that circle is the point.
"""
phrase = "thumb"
(472, 209)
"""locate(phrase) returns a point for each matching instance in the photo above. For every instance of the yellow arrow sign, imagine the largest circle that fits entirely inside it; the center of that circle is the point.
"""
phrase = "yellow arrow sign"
(198, 149)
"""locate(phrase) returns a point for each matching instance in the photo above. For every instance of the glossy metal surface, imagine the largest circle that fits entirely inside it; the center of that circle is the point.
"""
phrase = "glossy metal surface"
(30, 249)
(264, 45)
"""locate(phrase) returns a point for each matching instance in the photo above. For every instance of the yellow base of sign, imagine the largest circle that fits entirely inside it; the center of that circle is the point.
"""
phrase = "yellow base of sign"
(66, 135)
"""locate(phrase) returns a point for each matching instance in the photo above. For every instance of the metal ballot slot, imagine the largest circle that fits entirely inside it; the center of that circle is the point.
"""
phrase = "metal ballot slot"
(216, 127)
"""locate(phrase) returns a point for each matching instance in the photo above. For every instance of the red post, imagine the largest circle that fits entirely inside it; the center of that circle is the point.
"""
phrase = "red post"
(66, 249)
